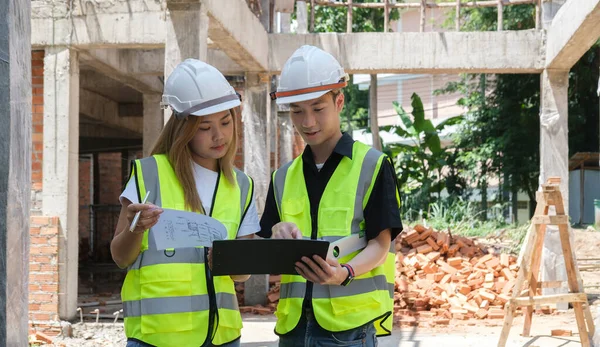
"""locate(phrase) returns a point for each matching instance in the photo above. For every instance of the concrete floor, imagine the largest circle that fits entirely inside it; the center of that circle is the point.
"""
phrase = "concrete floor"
(258, 332)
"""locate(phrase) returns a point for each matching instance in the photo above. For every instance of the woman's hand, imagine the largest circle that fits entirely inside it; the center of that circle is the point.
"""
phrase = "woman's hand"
(148, 217)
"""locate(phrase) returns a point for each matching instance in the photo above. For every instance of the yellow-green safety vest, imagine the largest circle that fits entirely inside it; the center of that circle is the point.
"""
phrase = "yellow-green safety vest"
(369, 297)
(166, 294)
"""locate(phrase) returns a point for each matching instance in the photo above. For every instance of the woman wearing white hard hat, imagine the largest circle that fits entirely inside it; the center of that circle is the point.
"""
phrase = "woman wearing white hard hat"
(338, 188)
(170, 297)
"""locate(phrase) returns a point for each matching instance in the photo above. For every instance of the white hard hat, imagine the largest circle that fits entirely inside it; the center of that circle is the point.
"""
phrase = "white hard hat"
(198, 89)
(308, 74)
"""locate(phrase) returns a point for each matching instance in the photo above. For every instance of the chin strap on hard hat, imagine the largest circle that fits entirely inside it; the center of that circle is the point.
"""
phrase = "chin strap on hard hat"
(275, 95)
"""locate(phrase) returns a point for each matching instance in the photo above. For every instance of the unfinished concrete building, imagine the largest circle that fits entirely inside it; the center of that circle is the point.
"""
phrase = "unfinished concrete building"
(97, 75)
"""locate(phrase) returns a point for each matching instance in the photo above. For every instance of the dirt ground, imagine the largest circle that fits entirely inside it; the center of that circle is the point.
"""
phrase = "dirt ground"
(258, 330)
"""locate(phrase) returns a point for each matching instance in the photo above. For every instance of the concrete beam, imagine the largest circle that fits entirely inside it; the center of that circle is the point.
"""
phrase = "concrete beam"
(575, 28)
(106, 111)
(123, 30)
(435, 53)
(109, 63)
(238, 33)
(97, 129)
(144, 62)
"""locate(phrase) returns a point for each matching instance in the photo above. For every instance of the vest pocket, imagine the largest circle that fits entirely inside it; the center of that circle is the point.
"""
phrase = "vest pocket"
(166, 291)
(294, 211)
(334, 221)
(343, 304)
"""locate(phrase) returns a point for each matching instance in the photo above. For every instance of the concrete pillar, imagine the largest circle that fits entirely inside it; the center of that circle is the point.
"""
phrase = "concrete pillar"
(187, 35)
(554, 161)
(285, 20)
(301, 17)
(549, 9)
(153, 121)
(286, 137)
(60, 196)
(15, 170)
(373, 113)
(255, 116)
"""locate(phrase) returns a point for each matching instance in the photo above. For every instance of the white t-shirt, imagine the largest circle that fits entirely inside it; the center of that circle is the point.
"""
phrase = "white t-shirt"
(206, 180)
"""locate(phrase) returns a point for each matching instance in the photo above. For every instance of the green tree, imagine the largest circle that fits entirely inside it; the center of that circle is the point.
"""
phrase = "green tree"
(500, 136)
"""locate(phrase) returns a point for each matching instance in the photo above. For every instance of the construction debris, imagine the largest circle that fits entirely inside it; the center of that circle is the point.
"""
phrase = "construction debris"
(449, 277)
(440, 277)
(561, 332)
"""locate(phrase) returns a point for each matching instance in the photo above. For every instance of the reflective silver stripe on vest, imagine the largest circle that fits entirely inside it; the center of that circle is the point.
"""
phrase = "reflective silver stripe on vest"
(151, 182)
(356, 287)
(178, 304)
(367, 173)
(279, 183)
(243, 182)
(154, 257)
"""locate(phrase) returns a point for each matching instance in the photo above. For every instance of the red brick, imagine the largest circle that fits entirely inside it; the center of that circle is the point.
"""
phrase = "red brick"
(52, 308)
(37, 71)
(53, 230)
(42, 297)
(37, 55)
(37, 63)
(42, 259)
(44, 250)
(46, 278)
(38, 109)
(49, 267)
(37, 99)
(36, 176)
(50, 287)
(37, 81)
(40, 316)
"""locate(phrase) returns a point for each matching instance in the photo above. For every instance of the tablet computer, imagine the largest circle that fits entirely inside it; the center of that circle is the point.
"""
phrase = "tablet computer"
(263, 256)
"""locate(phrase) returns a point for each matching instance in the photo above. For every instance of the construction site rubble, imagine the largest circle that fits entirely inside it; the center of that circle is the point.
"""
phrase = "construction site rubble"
(439, 277)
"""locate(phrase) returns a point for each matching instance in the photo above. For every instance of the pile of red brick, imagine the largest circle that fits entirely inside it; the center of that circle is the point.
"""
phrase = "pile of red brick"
(440, 277)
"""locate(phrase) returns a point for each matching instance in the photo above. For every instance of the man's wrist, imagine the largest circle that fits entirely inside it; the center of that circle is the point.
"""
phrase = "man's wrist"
(350, 275)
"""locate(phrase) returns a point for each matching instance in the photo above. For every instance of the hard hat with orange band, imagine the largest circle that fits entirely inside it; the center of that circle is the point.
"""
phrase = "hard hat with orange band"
(309, 74)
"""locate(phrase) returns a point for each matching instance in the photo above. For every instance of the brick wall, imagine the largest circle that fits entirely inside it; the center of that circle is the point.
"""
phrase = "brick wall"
(85, 200)
(43, 274)
(37, 107)
(109, 185)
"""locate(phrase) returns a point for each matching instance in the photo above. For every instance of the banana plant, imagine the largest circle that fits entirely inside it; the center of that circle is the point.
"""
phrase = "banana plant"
(418, 159)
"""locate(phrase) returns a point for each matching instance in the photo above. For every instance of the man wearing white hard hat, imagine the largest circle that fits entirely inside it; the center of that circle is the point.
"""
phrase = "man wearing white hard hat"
(338, 188)
(170, 297)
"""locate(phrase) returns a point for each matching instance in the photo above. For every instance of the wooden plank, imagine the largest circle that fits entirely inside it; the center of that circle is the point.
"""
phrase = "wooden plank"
(550, 284)
(550, 299)
(541, 210)
(550, 220)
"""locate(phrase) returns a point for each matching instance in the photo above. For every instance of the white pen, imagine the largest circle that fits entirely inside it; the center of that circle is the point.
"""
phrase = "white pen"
(137, 215)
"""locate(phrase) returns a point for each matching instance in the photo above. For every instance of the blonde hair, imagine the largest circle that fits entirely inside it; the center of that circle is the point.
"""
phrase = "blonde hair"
(174, 143)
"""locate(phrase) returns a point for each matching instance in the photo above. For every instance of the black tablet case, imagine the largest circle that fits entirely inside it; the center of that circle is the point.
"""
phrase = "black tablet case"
(263, 256)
